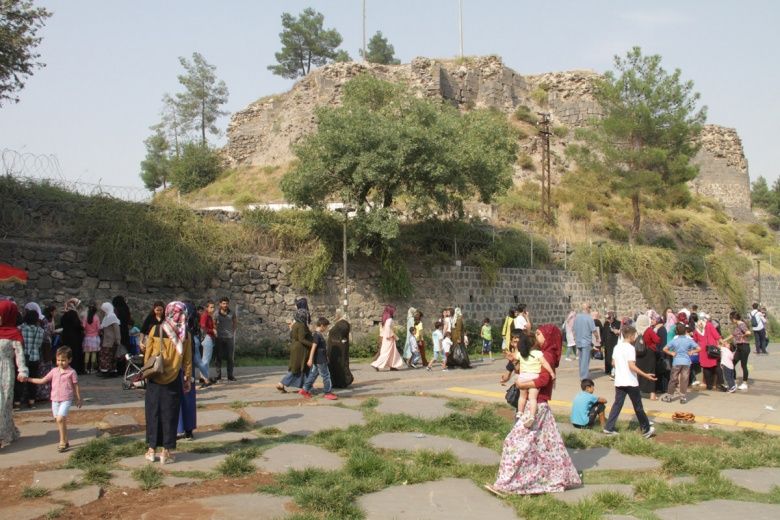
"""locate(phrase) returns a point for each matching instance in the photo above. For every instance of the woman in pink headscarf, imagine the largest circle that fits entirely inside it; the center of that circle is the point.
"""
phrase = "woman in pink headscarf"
(11, 351)
(389, 357)
(534, 460)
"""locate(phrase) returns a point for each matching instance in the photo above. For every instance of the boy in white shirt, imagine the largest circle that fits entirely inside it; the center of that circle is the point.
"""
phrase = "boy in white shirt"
(627, 384)
(438, 338)
(446, 346)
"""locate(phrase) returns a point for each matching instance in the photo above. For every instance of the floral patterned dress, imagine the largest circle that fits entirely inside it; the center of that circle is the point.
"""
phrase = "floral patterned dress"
(11, 352)
(535, 461)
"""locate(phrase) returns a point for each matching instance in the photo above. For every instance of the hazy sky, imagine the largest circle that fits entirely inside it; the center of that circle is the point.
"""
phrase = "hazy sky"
(110, 62)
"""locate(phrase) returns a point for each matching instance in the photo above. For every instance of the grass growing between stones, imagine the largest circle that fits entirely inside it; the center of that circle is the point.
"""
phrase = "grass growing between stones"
(34, 492)
(239, 425)
(149, 477)
(238, 463)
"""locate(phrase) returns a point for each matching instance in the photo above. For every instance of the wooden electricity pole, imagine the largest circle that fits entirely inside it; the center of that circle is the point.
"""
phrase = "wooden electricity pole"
(545, 132)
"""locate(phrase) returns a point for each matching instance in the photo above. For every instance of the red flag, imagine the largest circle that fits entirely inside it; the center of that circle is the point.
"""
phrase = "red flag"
(12, 274)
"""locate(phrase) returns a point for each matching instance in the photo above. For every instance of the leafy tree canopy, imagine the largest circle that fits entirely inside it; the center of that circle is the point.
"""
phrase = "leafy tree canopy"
(305, 43)
(648, 131)
(19, 25)
(760, 194)
(155, 168)
(385, 148)
(199, 104)
(380, 50)
(196, 167)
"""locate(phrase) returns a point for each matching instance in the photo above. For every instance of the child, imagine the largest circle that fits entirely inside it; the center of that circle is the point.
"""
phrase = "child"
(587, 407)
(627, 384)
(135, 334)
(318, 363)
(487, 339)
(64, 387)
(506, 330)
(91, 343)
(531, 361)
(446, 346)
(727, 365)
(511, 367)
(412, 352)
(437, 337)
(680, 348)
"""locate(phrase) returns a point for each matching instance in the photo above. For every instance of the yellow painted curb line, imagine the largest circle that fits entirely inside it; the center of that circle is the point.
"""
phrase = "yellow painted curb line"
(662, 415)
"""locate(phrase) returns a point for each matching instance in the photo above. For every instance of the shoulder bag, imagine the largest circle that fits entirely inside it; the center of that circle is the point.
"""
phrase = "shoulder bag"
(154, 365)
(713, 351)
(512, 396)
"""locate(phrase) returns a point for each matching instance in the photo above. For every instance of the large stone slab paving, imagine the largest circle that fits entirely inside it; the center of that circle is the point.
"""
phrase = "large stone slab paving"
(124, 479)
(216, 417)
(305, 420)
(414, 441)
(448, 499)
(38, 444)
(564, 427)
(756, 479)
(115, 419)
(299, 457)
(258, 506)
(222, 436)
(609, 459)
(421, 407)
(721, 510)
(77, 497)
(28, 511)
(572, 496)
(55, 478)
(185, 461)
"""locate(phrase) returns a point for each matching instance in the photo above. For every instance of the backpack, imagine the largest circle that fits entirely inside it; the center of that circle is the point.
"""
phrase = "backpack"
(753, 319)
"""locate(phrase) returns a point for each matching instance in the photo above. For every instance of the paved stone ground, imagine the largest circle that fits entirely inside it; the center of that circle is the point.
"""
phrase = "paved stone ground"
(605, 458)
(305, 420)
(38, 444)
(299, 457)
(227, 507)
(572, 496)
(415, 441)
(448, 499)
(721, 510)
(421, 407)
(761, 480)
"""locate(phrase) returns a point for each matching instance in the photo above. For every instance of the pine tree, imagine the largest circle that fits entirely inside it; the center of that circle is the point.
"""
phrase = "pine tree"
(380, 50)
(305, 43)
(199, 105)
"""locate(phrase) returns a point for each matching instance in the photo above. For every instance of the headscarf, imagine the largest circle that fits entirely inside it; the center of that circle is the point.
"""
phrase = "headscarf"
(302, 304)
(192, 317)
(73, 305)
(109, 318)
(410, 318)
(682, 318)
(8, 313)
(552, 343)
(175, 324)
(388, 313)
(456, 315)
(671, 321)
(642, 324)
(32, 306)
(301, 316)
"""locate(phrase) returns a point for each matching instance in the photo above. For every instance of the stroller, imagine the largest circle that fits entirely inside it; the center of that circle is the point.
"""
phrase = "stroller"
(132, 379)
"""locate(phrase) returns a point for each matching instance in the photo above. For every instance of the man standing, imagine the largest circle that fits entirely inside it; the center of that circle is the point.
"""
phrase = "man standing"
(583, 337)
(758, 324)
(522, 321)
(226, 331)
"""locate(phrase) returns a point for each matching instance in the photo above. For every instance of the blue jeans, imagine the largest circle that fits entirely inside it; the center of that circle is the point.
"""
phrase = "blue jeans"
(318, 369)
(202, 362)
(584, 354)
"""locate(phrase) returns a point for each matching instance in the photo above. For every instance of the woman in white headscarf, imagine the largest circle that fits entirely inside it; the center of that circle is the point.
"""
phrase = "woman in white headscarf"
(459, 356)
(111, 337)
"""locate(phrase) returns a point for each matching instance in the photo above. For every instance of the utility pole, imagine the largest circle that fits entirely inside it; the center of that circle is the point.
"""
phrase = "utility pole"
(460, 27)
(364, 30)
(758, 265)
(544, 131)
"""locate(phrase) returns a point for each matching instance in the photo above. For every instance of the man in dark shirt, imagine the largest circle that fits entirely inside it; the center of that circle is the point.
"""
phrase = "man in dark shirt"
(225, 342)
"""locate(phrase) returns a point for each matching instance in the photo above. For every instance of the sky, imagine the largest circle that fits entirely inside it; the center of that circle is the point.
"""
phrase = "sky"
(108, 63)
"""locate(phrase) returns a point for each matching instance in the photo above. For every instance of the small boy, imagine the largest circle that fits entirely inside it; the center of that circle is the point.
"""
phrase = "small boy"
(318, 363)
(587, 407)
(446, 346)
(437, 336)
(680, 348)
(414, 350)
(487, 339)
(64, 387)
(727, 365)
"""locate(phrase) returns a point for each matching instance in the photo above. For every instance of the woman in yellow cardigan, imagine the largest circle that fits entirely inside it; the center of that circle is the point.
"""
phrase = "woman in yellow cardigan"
(163, 391)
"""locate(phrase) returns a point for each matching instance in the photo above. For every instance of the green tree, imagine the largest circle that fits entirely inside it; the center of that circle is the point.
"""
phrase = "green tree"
(196, 167)
(305, 43)
(384, 145)
(342, 56)
(760, 194)
(648, 132)
(155, 168)
(199, 104)
(171, 124)
(19, 25)
(380, 50)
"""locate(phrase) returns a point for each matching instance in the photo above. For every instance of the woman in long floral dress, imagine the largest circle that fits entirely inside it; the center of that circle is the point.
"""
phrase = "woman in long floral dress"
(534, 460)
(10, 351)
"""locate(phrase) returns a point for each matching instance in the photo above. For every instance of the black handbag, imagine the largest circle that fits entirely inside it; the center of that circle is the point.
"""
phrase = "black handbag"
(512, 396)
(713, 351)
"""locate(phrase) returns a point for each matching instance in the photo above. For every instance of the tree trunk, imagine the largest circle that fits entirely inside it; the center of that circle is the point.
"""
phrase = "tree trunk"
(637, 215)
(203, 123)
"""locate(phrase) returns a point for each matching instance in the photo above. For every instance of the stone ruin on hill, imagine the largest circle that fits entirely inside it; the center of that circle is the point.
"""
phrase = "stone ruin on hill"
(262, 133)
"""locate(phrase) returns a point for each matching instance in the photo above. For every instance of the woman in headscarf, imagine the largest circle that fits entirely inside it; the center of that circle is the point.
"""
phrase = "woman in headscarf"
(73, 333)
(162, 401)
(389, 357)
(188, 418)
(109, 330)
(646, 333)
(10, 350)
(671, 321)
(338, 351)
(534, 460)
(122, 311)
(571, 344)
(705, 335)
(301, 342)
(459, 356)
(610, 332)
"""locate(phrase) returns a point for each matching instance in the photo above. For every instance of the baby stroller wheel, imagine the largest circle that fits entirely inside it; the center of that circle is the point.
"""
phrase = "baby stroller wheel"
(132, 378)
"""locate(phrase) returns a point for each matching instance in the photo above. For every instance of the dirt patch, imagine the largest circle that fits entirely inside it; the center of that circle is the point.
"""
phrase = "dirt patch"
(687, 438)
(14, 480)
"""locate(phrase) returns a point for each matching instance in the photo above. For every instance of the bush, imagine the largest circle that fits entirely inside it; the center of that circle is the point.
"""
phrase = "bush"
(757, 229)
(196, 167)
(560, 131)
(774, 223)
(616, 232)
(526, 162)
(523, 113)
(664, 241)
(540, 95)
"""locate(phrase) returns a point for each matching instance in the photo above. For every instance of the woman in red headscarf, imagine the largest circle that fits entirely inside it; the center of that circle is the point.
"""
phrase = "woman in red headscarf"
(534, 460)
(10, 349)
(389, 357)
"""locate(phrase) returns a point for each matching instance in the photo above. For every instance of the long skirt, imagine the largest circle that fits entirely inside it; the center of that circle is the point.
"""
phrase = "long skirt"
(646, 363)
(295, 380)
(389, 357)
(43, 392)
(535, 460)
(8, 430)
(338, 364)
(188, 415)
(107, 359)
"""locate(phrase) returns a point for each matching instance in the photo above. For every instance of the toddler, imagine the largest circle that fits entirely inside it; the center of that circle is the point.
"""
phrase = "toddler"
(531, 361)
(64, 387)
(727, 364)
(91, 343)
(412, 351)
(487, 339)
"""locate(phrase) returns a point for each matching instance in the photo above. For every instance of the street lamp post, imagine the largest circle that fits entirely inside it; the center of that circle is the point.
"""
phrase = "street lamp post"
(346, 211)
(600, 244)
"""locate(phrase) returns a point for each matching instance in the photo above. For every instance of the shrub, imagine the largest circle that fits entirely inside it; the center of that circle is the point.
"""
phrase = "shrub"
(394, 279)
(196, 167)
(616, 232)
(540, 95)
(526, 162)
(560, 131)
(757, 229)
(663, 241)
(523, 113)
(774, 223)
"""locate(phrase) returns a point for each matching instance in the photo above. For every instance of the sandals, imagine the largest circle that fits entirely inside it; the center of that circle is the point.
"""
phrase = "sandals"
(280, 387)
(167, 458)
(493, 490)
(150, 456)
(62, 448)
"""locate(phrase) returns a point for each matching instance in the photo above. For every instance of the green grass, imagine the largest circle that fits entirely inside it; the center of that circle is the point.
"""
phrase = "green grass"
(237, 405)
(149, 477)
(34, 492)
(97, 475)
(54, 513)
(239, 425)
(238, 463)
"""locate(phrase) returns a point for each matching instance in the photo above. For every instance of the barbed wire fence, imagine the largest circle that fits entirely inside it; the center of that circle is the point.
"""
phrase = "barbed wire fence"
(46, 169)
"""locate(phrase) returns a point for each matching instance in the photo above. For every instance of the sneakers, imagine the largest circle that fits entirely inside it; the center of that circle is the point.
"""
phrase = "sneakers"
(732, 389)
(330, 396)
(649, 433)
(231, 378)
(609, 432)
(428, 369)
(445, 369)
(304, 394)
(683, 400)
(695, 383)
(743, 386)
(667, 398)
